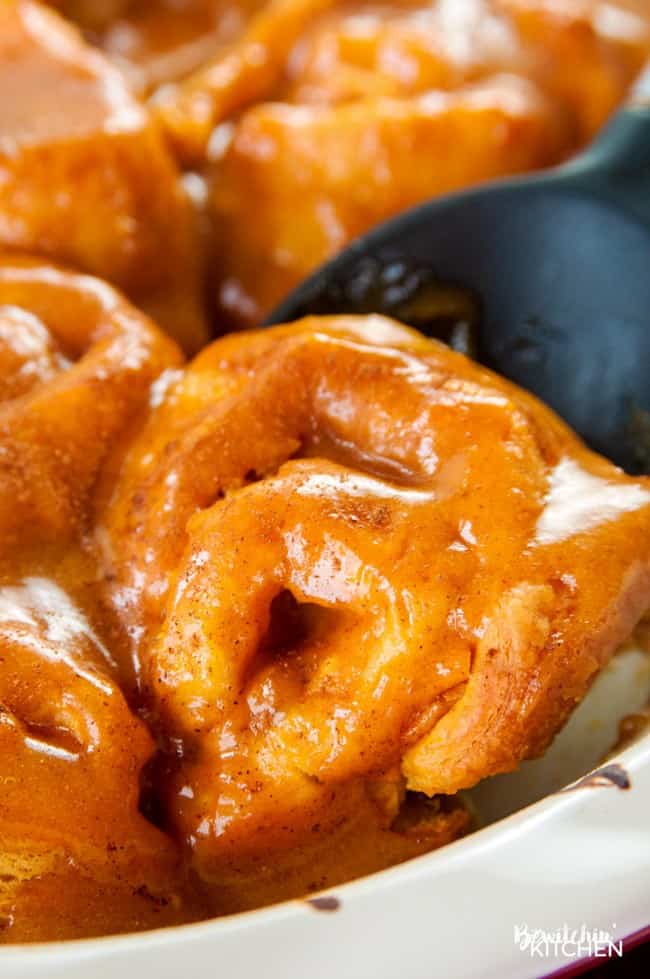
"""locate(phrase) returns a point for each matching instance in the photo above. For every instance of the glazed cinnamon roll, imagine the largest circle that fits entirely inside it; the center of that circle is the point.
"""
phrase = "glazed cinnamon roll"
(77, 856)
(353, 165)
(76, 363)
(84, 176)
(330, 52)
(360, 112)
(160, 41)
(354, 563)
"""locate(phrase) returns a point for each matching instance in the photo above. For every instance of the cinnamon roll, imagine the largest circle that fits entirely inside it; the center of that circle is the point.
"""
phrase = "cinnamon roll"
(85, 178)
(360, 112)
(77, 856)
(76, 363)
(354, 564)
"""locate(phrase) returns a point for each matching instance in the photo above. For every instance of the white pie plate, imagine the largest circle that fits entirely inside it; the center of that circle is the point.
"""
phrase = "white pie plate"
(578, 858)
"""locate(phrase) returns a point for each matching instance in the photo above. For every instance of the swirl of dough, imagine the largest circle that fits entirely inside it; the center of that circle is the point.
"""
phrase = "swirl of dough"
(343, 552)
(76, 367)
(76, 364)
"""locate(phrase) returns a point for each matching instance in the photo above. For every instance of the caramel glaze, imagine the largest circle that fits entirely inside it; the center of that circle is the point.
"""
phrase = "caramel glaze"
(159, 41)
(262, 616)
(329, 604)
(77, 857)
(356, 108)
(360, 110)
(85, 177)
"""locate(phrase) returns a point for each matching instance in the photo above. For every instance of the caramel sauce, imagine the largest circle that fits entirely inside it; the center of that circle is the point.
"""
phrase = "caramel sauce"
(256, 610)
(264, 614)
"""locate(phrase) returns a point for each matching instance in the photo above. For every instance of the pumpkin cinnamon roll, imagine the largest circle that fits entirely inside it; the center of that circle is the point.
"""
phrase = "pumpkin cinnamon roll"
(331, 52)
(85, 178)
(359, 112)
(77, 856)
(354, 564)
(76, 364)
(355, 109)
(160, 41)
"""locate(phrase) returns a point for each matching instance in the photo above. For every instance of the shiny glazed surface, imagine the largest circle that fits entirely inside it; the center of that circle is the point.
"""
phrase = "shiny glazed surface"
(263, 628)
(263, 615)
(433, 560)
(76, 855)
(356, 109)
(360, 110)
(85, 177)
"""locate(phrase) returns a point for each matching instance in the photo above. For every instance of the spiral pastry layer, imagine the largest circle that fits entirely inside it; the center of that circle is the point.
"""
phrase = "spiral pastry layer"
(76, 362)
(350, 558)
